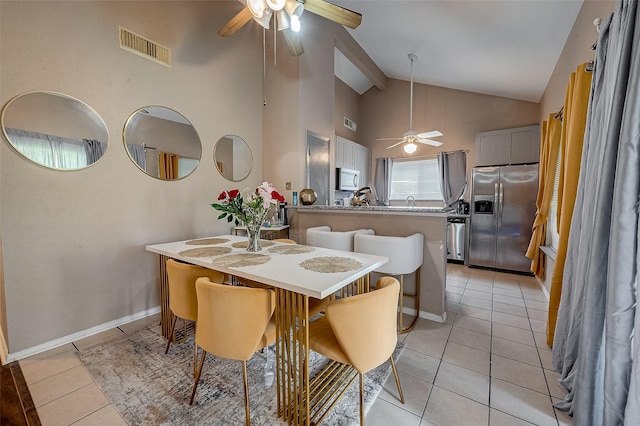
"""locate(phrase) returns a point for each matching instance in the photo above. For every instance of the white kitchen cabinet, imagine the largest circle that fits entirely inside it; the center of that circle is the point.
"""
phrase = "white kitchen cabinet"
(519, 145)
(352, 155)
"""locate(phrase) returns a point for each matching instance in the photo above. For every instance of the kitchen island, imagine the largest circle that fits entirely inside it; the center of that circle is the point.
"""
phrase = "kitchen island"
(396, 221)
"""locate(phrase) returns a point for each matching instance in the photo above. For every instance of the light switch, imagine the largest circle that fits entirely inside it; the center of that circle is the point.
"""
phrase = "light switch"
(288, 186)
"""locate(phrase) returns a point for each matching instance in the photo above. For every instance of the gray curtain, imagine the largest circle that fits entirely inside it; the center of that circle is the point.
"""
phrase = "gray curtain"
(453, 175)
(382, 181)
(597, 340)
(94, 149)
(138, 155)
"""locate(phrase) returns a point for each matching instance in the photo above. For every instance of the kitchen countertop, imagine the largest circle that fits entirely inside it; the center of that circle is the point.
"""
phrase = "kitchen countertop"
(427, 211)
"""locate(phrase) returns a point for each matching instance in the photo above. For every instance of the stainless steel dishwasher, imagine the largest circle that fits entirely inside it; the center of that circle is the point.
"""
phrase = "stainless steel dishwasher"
(456, 235)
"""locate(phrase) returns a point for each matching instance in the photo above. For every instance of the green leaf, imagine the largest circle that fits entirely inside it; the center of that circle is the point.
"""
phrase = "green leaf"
(229, 218)
(222, 215)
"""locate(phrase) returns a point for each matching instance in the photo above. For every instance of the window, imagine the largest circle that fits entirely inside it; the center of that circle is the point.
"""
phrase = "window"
(552, 230)
(418, 178)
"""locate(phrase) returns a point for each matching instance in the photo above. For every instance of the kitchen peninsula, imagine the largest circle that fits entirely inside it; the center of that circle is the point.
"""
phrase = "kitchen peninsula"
(393, 221)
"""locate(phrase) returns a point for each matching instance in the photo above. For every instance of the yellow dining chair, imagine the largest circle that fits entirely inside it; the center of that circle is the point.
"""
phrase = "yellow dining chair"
(233, 322)
(361, 331)
(182, 294)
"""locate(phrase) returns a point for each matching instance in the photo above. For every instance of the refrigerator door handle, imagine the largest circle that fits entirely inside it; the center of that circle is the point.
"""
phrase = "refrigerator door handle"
(500, 203)
(496, 205)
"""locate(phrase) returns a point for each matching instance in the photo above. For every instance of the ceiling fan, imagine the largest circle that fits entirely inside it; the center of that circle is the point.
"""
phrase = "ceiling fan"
(287, 14)
(411, 137)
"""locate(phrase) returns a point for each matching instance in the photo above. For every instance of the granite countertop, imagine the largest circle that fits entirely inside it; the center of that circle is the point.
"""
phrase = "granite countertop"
(434, 211)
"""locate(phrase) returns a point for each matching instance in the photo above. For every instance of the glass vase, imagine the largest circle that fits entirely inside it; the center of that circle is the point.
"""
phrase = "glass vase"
(253, 232)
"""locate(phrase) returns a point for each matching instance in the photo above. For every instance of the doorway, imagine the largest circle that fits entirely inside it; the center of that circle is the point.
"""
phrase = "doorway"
(318, 166)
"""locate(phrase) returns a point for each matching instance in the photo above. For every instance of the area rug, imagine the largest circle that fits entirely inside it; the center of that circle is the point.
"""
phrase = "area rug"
(148, 387)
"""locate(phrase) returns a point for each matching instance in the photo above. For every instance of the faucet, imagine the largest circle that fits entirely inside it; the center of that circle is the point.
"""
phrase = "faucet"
(411, 201)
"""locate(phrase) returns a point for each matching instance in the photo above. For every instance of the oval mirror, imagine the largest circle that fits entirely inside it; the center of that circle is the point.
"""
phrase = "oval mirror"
(162, 143)
(54, 130)
(233, 157)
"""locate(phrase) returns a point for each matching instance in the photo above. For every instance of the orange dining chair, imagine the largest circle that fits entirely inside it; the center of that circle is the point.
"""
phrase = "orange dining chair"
(233, 322)
(360, 331)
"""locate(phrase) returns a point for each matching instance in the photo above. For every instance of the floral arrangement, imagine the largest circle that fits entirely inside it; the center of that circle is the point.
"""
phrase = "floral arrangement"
(248, 207)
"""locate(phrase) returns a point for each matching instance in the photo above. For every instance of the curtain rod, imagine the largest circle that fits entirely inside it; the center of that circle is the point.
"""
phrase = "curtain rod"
(418, 157)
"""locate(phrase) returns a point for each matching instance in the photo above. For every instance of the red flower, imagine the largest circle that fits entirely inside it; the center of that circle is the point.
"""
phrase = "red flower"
(234, 193)
(275, 195)
(222, 195)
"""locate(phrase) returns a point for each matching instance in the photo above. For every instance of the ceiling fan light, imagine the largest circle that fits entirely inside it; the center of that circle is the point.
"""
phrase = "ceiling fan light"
(295, 23)
(294, 7)
(410, 147)
(276, 5)
(284, 21)
(265, 19)
(257, 8)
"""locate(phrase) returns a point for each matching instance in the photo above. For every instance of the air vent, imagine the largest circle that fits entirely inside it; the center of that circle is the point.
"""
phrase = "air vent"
(350, 124)
(141, 46)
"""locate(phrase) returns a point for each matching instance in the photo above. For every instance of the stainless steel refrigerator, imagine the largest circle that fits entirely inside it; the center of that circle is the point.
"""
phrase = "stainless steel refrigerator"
(503, 208)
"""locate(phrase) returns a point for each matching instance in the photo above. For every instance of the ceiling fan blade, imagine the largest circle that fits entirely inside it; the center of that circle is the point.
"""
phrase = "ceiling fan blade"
(431, 134)
(334, 13)
(395, 144)
(236, 23)
(293, 41)
(389, 139)
(430, 142)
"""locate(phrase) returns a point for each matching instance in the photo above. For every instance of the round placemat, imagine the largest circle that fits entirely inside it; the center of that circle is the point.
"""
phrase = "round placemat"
(243, 244)
(206, 241)
(331, 264)
(291, 249)
(242, 259)
(205, 251)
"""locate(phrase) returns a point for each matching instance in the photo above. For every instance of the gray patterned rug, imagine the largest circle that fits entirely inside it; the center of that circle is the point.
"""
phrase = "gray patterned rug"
(150, 388)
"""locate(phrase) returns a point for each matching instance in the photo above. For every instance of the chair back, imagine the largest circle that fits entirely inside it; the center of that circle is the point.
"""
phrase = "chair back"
(405, 253)
(366, 325)
(182, 287)
(323, 236)
(232, 320)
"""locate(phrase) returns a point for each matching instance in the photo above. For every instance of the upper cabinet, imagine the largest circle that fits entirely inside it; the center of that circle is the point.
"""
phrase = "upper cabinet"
(352, 155)
(508, 146)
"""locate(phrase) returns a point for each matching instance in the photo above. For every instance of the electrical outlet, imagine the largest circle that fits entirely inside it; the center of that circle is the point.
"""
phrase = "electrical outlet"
(288, 186)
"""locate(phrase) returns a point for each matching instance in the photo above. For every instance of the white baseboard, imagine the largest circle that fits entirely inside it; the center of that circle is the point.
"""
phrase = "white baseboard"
(80, 335)
(544, 289)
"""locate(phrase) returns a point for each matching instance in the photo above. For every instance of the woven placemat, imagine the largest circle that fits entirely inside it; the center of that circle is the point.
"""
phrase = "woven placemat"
(291, 249)
(206, 241)
(242, 259)
(243, 244)
(205, 251)
(331, 264)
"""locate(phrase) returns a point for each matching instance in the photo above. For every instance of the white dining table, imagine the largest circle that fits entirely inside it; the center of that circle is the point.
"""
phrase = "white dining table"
(297, 273)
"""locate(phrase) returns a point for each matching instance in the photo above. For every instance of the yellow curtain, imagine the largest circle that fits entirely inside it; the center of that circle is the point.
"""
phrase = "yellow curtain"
(550, 142)
(168, 165)
(574, 123)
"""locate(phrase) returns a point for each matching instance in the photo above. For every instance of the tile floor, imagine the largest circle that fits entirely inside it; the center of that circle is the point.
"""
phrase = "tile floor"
(487, 365)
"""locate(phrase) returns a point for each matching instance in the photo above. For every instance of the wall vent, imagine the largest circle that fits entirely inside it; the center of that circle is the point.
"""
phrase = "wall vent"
(350, 124)
(146, 48)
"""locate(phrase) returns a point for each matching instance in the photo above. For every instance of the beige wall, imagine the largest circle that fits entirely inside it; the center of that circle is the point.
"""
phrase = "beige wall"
(459, 115)
(577, 51)
(347, 104)
(73, 242)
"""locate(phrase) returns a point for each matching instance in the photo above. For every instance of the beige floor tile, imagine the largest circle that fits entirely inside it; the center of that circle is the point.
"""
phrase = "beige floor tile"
(518, 373)
(513, 333)
(432, 328)
(51, 353)
(564, 419)
(516, 301)
(72, 407)
(452, 306)
(454, 290)
(542, 306)
(425, 344)
(510, 309)
(552, 382)
(537, 314)
(473, 324)
(474, 301)
(39, 369)
(455, 281)
(101, 337)
(415, 391)
(451, 317)
(475, 312)
(522, 403)
(534, 295)
(463, 381)
(478, 294)
(515, 351)
(485, 287)
(541, 341)
(383, 413)
(480, 280)
(418, 365)
(54, 387)
(538, 326)
(467, 357)
(546, 358)
(452, 297)
(106, 416)
(459, 274)
(507, 290)
(498, 418)
(447, 408)
(512, 320)
(469, 338)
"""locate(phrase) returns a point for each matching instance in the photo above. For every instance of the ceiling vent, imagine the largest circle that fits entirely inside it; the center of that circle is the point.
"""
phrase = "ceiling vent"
(146, 48)
(349, 123)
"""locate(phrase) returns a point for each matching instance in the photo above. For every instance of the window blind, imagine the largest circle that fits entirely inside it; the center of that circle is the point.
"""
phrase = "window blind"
(417, 178)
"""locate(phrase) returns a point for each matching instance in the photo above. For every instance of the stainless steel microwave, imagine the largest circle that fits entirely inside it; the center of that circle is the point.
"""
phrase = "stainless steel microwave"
(347, 179)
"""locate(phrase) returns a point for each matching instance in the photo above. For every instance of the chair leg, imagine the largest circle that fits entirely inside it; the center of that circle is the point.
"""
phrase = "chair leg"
(395, 373)
(361, 399)
(173, 326)
(246, 392)
(197, 378)
(415, 297)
